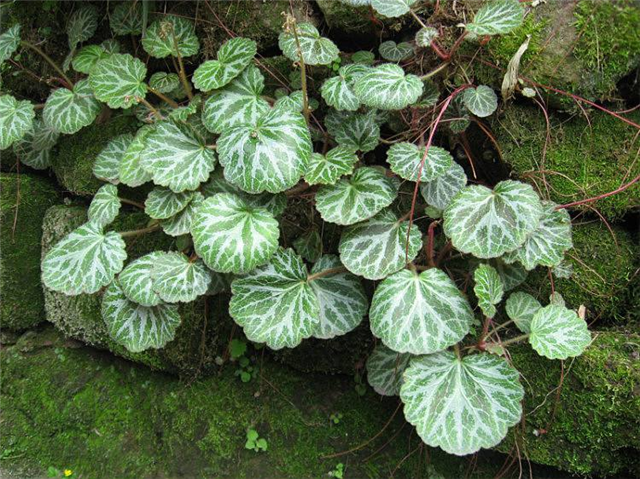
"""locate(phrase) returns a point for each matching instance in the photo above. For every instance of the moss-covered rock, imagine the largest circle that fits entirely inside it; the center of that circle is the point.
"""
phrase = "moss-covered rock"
(23, 202)
(73, 164)
(195, 346)
(583, 159)
(582, 417)
(345, 19)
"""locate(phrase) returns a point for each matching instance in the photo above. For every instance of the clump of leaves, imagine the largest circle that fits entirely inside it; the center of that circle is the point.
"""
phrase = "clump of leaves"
(255, 442)
(230, 165)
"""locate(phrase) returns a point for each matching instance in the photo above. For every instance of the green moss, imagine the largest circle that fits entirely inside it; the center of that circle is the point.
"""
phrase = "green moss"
(583, 159)
(502, 48)
(593, 426)
(345, 19)
(23, 202)
(73, 165)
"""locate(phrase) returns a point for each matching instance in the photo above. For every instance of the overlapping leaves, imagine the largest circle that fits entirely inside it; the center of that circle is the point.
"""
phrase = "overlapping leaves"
(68, 111)
(233, 57)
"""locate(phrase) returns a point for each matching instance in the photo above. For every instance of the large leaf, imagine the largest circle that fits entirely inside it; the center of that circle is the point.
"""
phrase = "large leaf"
(356, 198)
(82, 25)
(177, 156)
(338, 91)
(521, 308)
(83, 261)
(16, 120)
(384, 370)
(231, 235)
(327, 169)
(395, 52)
(269, 154)
(378, 247)
(490, 223)
(9, 42)
(182, 222)
(488, 288)
(392, 8)
(341, 297)
(138, 327)
(126, 19)
(419, 313)
(546, 245)
(171, 35)
(131, 172)
(164, 82)
(107, 164)
(405, 160)
(440, 191)
(237, 104)
(87, 57)
(119, 80)
(275, 304)
(497, 17)
(358, 131)
(162, 203)
(315, 49)
(388, 88)
(176, 278)
(136, 281)
(69, 111)
(558, 333)
(461, 405)
(104, 206)
(233, 57)
(481, 101)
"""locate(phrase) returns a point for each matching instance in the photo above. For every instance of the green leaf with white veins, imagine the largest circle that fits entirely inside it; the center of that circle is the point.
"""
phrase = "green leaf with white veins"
(104, 206)
(309, 245)
(490, 223)
(315, 49)
(341, 297)
(384, 370)
(126, 19)
(34, 148)
(82, 25)
(83, 261)
(131, 172)
(395, 52)
(182, 222)
(356, 198)
(69, 111)
(405, 160)
(119, 80)
(230, 235)
(392, 8)
(136, 282)
(177, 279)
(521, 308)
(236, 104)
(162, 203)
(177, 156)
(87, 57)
(488, 289)
(358, 131)
(270, 154)
(9, 42)
(327, 169)
(497, 17)
(425, 36)
(107, 164)
(338, 91)
(481, 101)
(546, 245)
(378, 247)
(137, 327)
(233, 57)
(275, 304)
(164, 82)
(461, 405)
(512, 275)
(419, 313)
(558, 333)
(164, 35)
(388, 88)
(440, 191)
(16, 120)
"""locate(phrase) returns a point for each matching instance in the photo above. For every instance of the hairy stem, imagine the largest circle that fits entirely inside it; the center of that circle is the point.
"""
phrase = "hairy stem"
(605, 195)
(435, 71)
(143, 231)
(517, 339)
(182, 73)
(132, 203)
(163, 97)
(326, 272)
(151, 107)
(303, 75)
(48, 59)
(430, 241)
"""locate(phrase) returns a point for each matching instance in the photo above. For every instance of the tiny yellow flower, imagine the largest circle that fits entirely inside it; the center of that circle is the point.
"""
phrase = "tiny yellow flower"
(68, 472)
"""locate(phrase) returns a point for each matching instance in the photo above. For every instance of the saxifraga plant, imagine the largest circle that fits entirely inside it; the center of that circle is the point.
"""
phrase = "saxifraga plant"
(226, 160)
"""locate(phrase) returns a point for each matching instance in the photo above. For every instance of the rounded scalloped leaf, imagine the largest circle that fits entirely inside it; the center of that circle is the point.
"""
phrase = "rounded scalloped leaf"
(107, 164)
(87, 57)
(425, 36)
(327, 169)
(395, 52)
(338, 91)
(238, 103)
(440, 191)
(231, 235)
(341, 298)
(270, 154)
(315, 49)
(105, 205)
(177, 156)
(138, 327)
(511, 275)
(164, 35)
(419, 313)
(363, 57)
(69, 111)
(497, 17)
(16, 120)
(126, 19)
(182, 222)
(131, 172)
(521, 308)
(34, 148)
(356, 198)
(558, 333)
(162, 203)
(136, 282)
(178, 279)
(490, 223)
(358, 131)
(378, 247)
(287, 313)
(392, 8)
(406, 158)
(233, 56)
(481, 101)
(384, 370)
(388, 88)
(83, 261)
(82, 25)
(436, 394)
(9, 42)
(119, 80)
(488, 289)
(164, 82)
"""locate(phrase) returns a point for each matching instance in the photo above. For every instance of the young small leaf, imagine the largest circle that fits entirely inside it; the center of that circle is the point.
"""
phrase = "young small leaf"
(181, 223)
(69, 111)
(315, 49)
(521, 308)
(119, 80)
(107, 164)
(126, 19)
(558, 332)
(497, 17)
(392, 8)
(162, 203)
(481, 101)
(177, 279)
(9, 42)
(425, 36)
(327, 169)
(233, 57)
(171, 35)
(440, 191)
(363, 57)
(338, 91)
(488, 289)
(358, 131)
(105, 205)
(384, 370)
(388, 88)
(405, 159)
(309, 245)
(87, 57)
(164, 82)
(136, 282)
(16, 120)
(395, 52)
